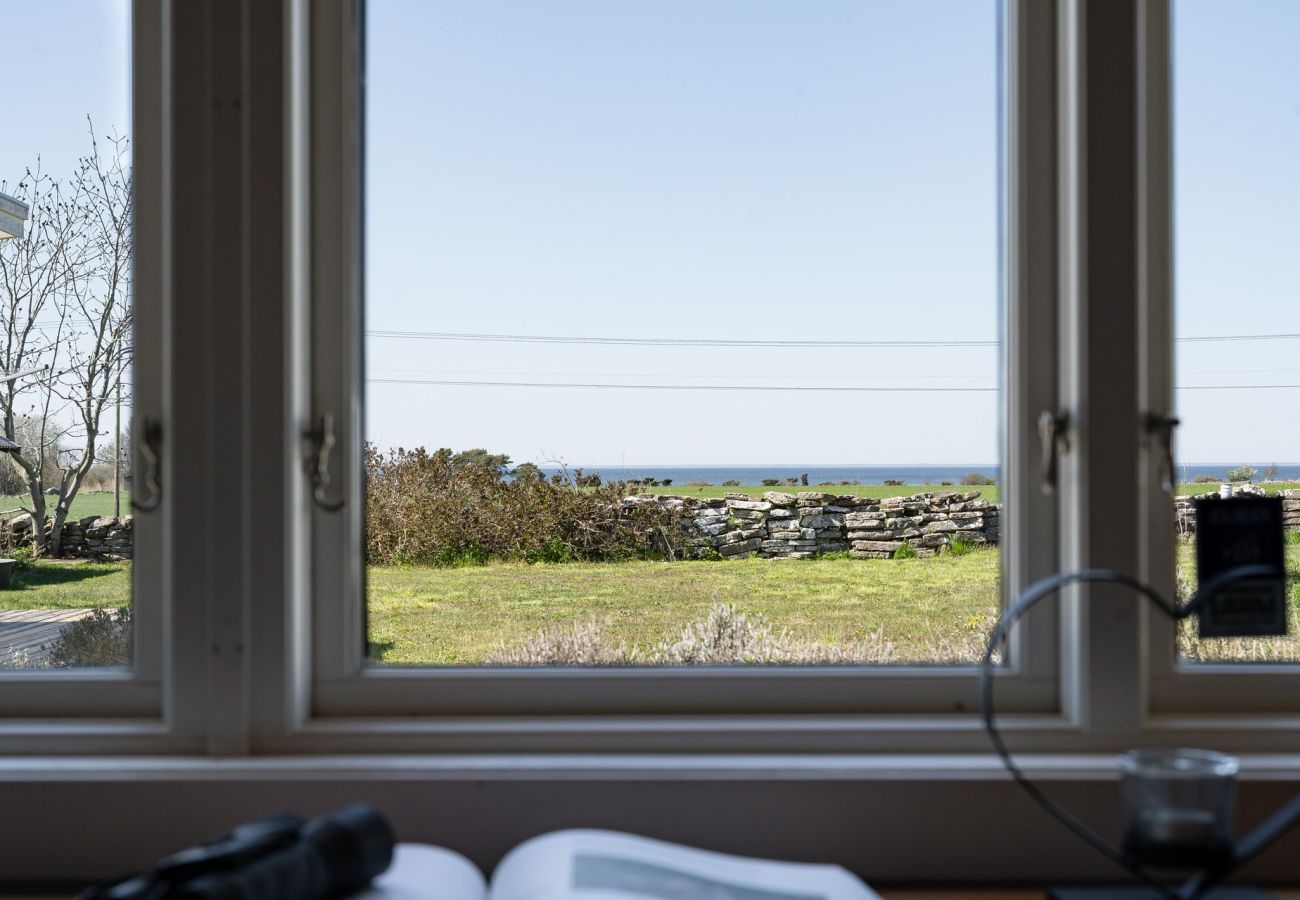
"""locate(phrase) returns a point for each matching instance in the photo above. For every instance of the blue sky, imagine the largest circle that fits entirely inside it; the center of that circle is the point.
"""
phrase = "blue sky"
(740, 169)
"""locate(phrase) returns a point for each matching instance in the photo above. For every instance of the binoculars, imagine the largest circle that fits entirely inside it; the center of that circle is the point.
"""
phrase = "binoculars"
(278, 858)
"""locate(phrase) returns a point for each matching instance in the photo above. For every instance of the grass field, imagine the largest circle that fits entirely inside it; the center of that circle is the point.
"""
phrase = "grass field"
(458, 616)
(99, 503)
(68, 585)
(921, 609)
(989, 492)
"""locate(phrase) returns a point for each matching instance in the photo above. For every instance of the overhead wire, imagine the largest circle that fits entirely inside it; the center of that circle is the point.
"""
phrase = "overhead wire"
(409, 334)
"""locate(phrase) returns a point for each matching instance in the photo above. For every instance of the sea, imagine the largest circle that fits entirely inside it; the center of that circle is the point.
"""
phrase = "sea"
(908, 474)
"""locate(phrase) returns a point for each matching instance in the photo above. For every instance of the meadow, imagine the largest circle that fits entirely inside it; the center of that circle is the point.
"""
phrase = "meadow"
(86, 503)
(989, 492)
(900, 610)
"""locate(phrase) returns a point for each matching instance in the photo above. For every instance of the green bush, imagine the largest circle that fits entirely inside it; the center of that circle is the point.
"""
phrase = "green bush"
(1205, 479)
(907, 551)
(771, 482)
(1241, 473)
(443, 509)
(103, 638)
(976, 478)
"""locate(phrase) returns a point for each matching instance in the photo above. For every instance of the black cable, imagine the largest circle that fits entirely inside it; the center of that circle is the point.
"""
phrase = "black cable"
(1031, 596)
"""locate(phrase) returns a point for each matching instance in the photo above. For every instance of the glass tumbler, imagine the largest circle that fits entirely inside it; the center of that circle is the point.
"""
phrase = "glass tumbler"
(1178, 807)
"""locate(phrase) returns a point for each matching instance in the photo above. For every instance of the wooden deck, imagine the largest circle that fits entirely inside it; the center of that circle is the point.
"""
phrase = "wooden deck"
(26, 635)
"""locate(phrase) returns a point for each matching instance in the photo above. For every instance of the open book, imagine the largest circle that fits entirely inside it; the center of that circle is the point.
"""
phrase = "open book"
(606, 865)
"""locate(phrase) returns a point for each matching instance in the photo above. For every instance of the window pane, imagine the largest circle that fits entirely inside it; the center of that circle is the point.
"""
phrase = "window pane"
(1237, 274)
(65, 335)
(700, 301)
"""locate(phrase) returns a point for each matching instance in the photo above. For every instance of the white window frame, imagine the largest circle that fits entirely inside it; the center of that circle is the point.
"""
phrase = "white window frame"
(1222, 692)
(870, 703)
(250, 716)
(123, 708)
(258, 630)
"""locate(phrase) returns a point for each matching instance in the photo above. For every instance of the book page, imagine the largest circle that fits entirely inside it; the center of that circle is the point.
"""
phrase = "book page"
(607, 865)
(422, 872)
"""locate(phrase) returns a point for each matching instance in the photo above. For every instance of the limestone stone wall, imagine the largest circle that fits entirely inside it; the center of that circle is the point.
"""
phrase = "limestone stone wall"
(1185, 508)
(804, 524)
(94, 537)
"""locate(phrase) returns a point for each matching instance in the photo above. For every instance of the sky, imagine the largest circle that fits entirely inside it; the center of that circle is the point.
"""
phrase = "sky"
(764, 170)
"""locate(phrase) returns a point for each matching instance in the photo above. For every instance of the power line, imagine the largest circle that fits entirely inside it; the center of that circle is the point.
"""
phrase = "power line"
(772, 387)
(821, 377)
(679, 387)
(1238, 337)
(1236, 387)
(723, 342)
(659, 342)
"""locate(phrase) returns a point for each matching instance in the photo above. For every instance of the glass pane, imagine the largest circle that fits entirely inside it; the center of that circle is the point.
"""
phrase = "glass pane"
(1237, 275)
(699, 301)
(65, 335)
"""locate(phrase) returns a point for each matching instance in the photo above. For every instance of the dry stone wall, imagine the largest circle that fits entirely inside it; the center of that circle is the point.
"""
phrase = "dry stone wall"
(1185, 508)
(808, 523)
(94, 537)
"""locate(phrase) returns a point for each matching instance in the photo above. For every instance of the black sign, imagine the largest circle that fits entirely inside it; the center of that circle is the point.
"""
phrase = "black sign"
(1242, 531)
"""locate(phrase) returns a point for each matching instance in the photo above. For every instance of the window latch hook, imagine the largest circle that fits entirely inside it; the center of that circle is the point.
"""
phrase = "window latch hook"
(1054, 433)
(1161, 426)
(150, 448)
(317, 463)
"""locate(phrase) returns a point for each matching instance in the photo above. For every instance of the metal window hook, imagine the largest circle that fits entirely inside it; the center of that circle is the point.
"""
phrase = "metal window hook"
(1054, 433)
(150, 448)
(1161, 426)
(317, 462)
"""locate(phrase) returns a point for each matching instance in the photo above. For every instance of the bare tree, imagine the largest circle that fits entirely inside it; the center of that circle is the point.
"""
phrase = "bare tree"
(65, 309)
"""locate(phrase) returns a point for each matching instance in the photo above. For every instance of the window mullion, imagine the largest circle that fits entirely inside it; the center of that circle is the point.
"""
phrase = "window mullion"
(1155, 320)
(1099, 357)
(1030, 541)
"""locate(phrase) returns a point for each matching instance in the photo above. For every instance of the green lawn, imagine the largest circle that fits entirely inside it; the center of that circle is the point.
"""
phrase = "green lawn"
(99, 503)
(68, 585)
(924, 607)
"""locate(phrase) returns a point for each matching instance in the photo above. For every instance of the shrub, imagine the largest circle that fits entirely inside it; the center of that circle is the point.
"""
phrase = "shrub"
(581, 479)
(527, 471)
(803, 479)
(697, 484)
(1241, 473)
(792, 481)
(767, 482)
(974, 478)
(571, 644)
(732, 483)
(907, 551)
(893, 482)
(101, 639)
(726, 636)
(945, 483)
(1269, 473)
(1205, 479)
(428, 508)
